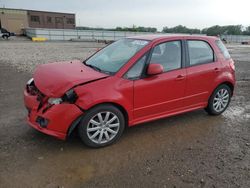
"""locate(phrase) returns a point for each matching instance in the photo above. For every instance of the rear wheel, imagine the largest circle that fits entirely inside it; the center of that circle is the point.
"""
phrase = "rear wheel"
(101, 126)
(219, 100)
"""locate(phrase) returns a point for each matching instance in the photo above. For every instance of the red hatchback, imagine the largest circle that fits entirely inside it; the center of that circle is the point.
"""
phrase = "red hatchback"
(131, 81)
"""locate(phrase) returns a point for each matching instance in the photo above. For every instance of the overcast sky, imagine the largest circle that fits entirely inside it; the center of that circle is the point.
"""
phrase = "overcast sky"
(151, 13)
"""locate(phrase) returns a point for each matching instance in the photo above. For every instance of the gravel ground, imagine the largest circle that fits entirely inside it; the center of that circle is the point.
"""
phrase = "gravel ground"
(189, 150)
(25, 55)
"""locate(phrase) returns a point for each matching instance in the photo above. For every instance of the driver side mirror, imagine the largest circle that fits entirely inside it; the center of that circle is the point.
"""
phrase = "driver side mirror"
(154, 69)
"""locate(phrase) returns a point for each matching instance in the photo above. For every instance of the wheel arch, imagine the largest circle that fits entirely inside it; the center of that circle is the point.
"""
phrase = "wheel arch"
(119, 106)
(228, 83)
(208, 108)
(76, 122)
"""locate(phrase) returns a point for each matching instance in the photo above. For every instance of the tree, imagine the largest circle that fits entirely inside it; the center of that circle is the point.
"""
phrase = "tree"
(247, 31)
(137, 29)
(220, 30)
(180, 29)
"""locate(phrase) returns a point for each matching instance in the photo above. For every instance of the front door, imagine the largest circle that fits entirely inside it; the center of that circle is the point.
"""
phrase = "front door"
(161, 94)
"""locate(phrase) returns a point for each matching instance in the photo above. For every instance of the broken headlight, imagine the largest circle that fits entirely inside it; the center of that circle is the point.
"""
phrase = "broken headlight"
(70, 97)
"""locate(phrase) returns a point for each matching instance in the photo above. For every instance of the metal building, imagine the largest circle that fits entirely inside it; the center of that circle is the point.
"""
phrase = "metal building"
(15, 20)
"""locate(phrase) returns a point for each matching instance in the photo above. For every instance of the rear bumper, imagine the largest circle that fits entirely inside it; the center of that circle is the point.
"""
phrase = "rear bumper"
(59, 117)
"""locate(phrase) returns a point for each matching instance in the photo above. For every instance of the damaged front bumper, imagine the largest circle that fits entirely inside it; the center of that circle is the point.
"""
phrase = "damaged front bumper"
(54, 120)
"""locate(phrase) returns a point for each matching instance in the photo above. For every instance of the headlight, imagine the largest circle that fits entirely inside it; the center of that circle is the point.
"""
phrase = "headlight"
(55, 100)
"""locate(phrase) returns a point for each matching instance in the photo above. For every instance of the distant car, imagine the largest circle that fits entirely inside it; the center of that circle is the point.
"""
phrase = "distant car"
(131, 81)
(5, 34)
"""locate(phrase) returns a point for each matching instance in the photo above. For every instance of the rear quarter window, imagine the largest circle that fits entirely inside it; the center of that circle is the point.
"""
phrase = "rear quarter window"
(223, 49)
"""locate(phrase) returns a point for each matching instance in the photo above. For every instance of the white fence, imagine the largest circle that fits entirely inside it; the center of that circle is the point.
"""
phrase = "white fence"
(236, 38)
(71, 34)
(90, 35)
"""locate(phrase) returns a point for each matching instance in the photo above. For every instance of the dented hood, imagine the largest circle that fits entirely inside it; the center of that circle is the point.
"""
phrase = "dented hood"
(54, 79)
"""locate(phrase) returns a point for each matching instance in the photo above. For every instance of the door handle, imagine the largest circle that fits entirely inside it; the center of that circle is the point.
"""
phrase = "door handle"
(216, 69)
(180, 77)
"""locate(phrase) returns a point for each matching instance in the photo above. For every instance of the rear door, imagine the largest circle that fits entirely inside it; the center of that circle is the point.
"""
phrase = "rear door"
(202, 69)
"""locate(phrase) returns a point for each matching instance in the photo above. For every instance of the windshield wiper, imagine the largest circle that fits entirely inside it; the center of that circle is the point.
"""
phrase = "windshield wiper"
(94, 67)
(97, 68)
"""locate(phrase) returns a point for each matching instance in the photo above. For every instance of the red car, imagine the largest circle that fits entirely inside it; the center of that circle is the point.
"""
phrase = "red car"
(131, 81)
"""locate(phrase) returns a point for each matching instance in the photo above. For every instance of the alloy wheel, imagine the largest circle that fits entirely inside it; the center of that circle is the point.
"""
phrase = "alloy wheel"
(103, 127)
(221, 100)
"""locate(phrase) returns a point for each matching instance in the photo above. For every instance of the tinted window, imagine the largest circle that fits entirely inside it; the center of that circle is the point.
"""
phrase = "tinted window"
(4, 30)
(136, 70)
(168, 55)
(200, 52)
(223, 49)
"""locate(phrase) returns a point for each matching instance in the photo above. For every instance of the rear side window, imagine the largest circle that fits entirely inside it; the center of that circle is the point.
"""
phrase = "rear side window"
(223, 49)
(200, 52)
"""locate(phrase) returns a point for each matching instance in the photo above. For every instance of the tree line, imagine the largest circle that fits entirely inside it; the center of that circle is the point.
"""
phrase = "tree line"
(131, 29)
(211, 31)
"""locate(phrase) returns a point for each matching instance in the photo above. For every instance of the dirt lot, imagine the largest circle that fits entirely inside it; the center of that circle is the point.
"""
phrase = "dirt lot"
(190, 150)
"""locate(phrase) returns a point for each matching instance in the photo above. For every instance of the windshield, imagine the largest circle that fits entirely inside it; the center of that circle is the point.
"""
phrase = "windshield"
(113, 57)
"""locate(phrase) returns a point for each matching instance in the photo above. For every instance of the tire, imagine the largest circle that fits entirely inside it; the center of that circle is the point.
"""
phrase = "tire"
(96, 131)
(5, 37)
(219, 100)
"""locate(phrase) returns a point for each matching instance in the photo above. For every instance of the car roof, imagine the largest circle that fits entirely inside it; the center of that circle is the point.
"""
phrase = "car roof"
(154, 37)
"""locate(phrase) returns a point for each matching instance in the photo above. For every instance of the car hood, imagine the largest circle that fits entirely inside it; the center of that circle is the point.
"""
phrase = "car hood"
(54, 79)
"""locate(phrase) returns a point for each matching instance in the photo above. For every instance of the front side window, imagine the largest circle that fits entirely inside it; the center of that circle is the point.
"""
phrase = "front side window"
(110, 59)
(200, 52)
(167, 54)
(136, 70)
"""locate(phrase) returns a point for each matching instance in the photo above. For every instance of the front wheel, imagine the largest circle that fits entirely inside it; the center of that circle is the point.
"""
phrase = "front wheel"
(101, 126)
(219, 100)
